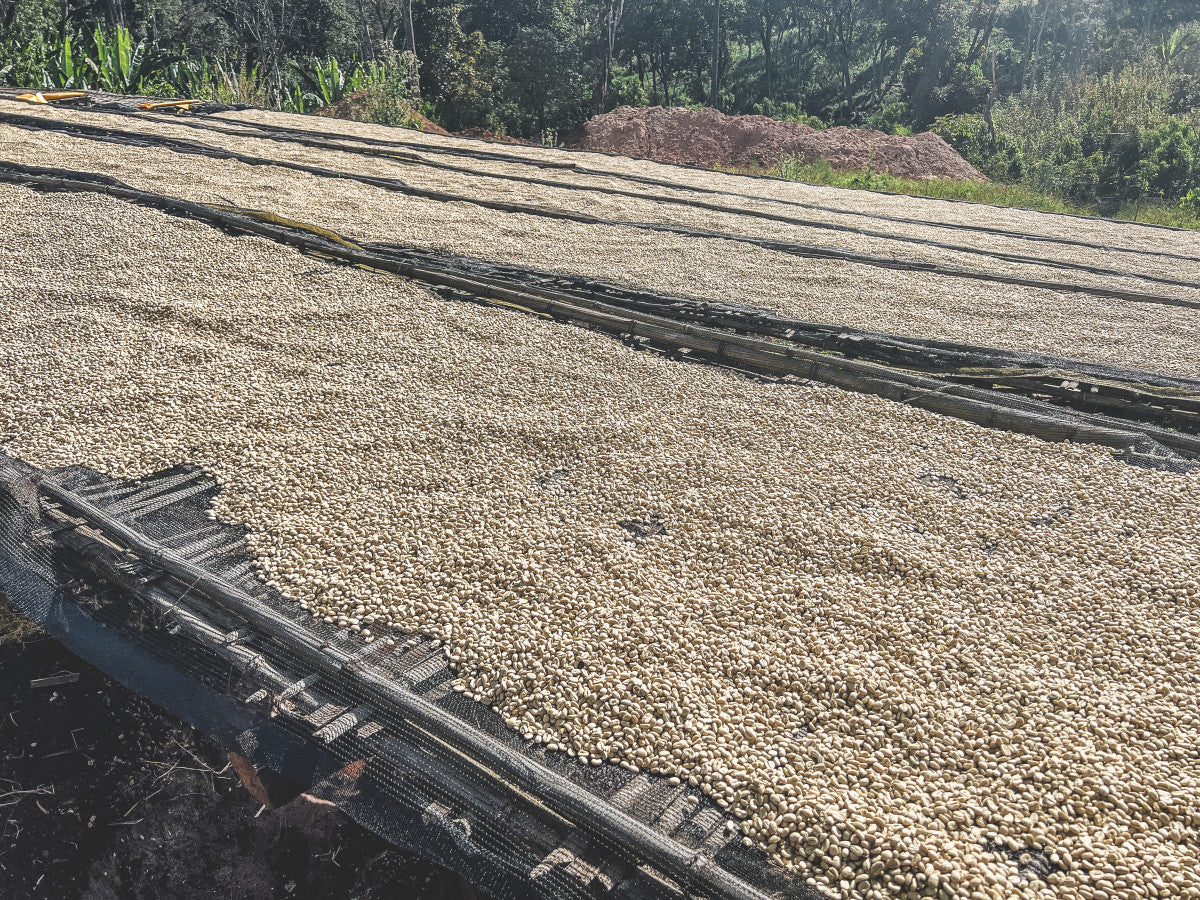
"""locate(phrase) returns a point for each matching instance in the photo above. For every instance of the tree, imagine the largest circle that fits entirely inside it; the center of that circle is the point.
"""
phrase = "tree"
(545, 88)
(271, 31)
(674, 39)
(262, 27)
(500, 20)
(463, 72)
(716, 56)
(947, 76)
(612, 21)
(1035, 43)
(761, 20)
(8, 16)
(379, 25)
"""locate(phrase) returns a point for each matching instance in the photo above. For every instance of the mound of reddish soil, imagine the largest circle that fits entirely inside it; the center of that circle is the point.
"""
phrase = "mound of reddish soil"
(710, 138)
(482, 134)
(353, 108)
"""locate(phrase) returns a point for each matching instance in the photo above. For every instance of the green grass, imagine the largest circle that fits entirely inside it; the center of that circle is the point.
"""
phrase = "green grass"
(995, 193)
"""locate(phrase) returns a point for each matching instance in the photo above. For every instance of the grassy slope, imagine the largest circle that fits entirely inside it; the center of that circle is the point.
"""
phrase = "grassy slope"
(820, 172)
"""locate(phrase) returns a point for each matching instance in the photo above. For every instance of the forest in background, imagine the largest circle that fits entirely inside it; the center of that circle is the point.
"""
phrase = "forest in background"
(1096, 102)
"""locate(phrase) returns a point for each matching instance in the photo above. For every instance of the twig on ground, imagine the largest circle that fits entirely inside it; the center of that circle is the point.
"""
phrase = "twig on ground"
(41, 790)
(198, 760)
(142, 800)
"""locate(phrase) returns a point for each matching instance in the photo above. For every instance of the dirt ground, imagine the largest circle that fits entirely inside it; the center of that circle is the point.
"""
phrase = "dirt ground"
(104, 796)
(710, 138)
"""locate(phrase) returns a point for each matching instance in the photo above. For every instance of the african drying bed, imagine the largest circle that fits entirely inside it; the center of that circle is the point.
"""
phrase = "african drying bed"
(600, 527)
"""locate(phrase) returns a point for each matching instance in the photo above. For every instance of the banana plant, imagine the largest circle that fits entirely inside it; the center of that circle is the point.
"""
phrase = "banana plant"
(298, 100)
(1171, 47)
(192, 77)
(325, 82)
(60, 69)
(357, 80)
(122, 67)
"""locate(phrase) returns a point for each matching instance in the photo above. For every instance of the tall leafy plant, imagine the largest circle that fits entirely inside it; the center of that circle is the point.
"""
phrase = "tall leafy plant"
(322, 82)
(60, 70)
(123, 67)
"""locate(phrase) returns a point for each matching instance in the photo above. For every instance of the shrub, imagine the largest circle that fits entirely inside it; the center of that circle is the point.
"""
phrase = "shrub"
(893, 117)
(392, 91)
(1190, 204)
(996, 154)
(788, 112)
(1172, 154)
(21, 64)
(1109, 138)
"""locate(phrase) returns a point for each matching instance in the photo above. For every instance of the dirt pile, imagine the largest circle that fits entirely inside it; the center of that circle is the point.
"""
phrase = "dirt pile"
(710, 138)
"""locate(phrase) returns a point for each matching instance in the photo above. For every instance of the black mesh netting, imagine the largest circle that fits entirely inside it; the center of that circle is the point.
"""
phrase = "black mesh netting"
(99, 562)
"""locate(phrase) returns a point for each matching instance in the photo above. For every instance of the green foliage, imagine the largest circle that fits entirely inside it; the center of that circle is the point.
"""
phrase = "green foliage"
(788, 112)
(891, 118)
(240, 82)
(21, 63)
(1110, 138)
(109, 61)
(997, 154)
(123, 67)
(194, 78)
(461, 73)
(1012, 195)
(544, 91)
(1190, 204)
(1172, 158)
(626, 90)
(1094, 101)
(59, 69)
(942, 76)
(324, 81)
(1171, 48)
(391, 88)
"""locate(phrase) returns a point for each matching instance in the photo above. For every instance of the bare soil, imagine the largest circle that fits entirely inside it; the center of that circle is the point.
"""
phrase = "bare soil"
(710, 138)
(103, 795)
